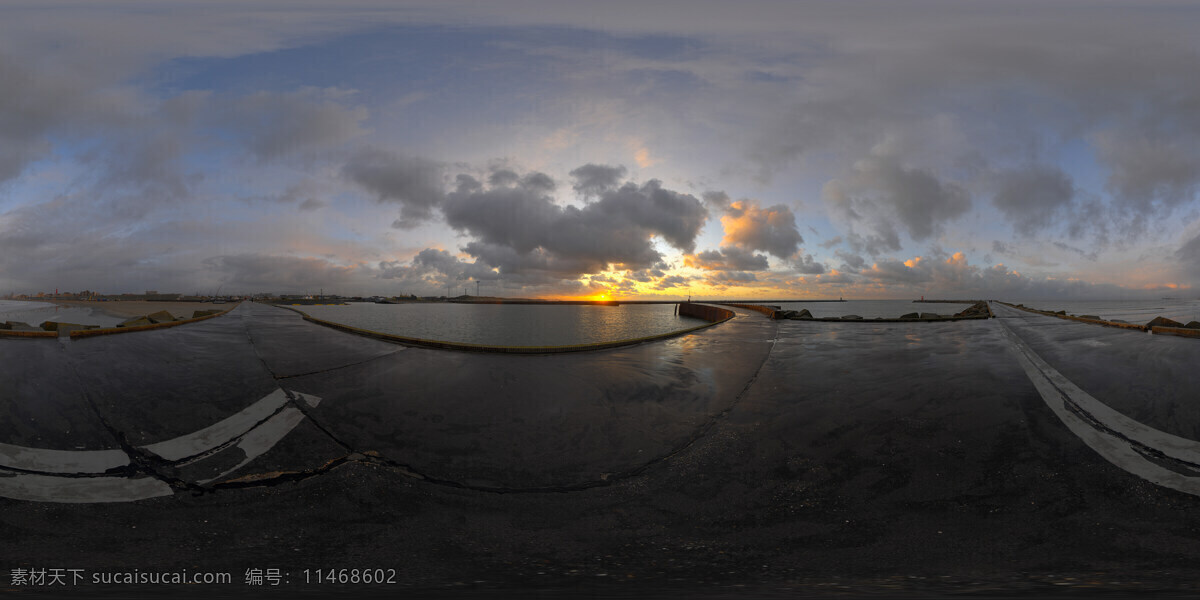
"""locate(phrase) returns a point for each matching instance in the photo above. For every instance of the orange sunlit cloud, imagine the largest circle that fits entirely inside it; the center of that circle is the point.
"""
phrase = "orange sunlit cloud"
(745, 221)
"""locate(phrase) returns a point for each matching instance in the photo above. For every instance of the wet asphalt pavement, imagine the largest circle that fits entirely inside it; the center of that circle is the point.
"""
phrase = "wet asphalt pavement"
(753, 458)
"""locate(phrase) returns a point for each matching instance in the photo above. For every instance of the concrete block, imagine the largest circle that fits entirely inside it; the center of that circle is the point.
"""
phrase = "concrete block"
(1164, 322)
(135, 322)
(161, 316)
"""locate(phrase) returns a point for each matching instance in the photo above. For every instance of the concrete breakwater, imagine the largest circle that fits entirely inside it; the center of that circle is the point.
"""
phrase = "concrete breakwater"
(1158, 325)
(711, 314)
(979, 310)
(773, 312)
(52, 329)
(157, 320)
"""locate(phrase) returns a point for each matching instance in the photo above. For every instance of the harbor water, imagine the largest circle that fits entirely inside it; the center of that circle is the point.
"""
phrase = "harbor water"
(36, 313)
(508, 324)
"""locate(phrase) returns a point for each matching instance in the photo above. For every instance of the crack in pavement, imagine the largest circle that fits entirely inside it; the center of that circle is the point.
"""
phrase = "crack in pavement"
(372, 457)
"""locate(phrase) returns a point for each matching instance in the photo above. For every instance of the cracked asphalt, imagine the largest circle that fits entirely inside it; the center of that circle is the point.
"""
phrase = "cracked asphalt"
(757, 457)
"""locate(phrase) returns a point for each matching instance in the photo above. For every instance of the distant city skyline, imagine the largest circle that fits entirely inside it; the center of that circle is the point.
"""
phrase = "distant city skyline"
(529, 148)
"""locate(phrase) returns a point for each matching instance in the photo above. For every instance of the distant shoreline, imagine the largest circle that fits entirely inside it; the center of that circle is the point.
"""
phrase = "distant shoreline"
(126, 309)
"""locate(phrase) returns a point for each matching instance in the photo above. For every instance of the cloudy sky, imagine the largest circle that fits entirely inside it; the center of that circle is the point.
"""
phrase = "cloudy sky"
(535, 148)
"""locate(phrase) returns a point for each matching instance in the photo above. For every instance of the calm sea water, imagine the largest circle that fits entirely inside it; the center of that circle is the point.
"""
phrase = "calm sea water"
(36, 313)
(1133, 311)
(869, 309)
(509, 324)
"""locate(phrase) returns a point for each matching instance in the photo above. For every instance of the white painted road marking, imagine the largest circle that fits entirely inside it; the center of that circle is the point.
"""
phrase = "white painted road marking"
(61, 461)
(253, 431)
(1106, 434)
(213, 436)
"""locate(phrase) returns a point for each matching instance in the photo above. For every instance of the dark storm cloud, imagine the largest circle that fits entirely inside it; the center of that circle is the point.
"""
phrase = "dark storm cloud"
(37, 102)
(1152, 174)
(881, 193)
(435, 269)
(536, 266)
(955, 277)
(728, 258)
(1189, 256)
(1031, 198)
(884, 241)
(805, 265)
(593, 180)
(304, 195)
(278, 124)
(432, 271)
(291, 273)
(918, 85)
(639, 276)
(415, 183)
(852, 261)
(128, 143)
(732, 278)
(716, 201)
(673, 281)
(1092, 256)
(519, 226)
(503, 177)
(102, 252)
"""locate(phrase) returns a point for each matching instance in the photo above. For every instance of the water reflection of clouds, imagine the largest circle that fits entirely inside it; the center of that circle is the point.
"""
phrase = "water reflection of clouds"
(34, 313)
(509, 324)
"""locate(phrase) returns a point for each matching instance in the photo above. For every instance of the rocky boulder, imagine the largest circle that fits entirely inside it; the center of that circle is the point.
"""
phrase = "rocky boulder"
(979, 309)
(1193, 325)
(911, 316)
(161, 316)
(803, 314)
(135, 322)
(65, 329)
(851, 318)
(20, 326)
(1164, 322)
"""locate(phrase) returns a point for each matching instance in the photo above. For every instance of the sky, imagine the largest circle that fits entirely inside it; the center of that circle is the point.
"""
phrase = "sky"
(533, 148)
